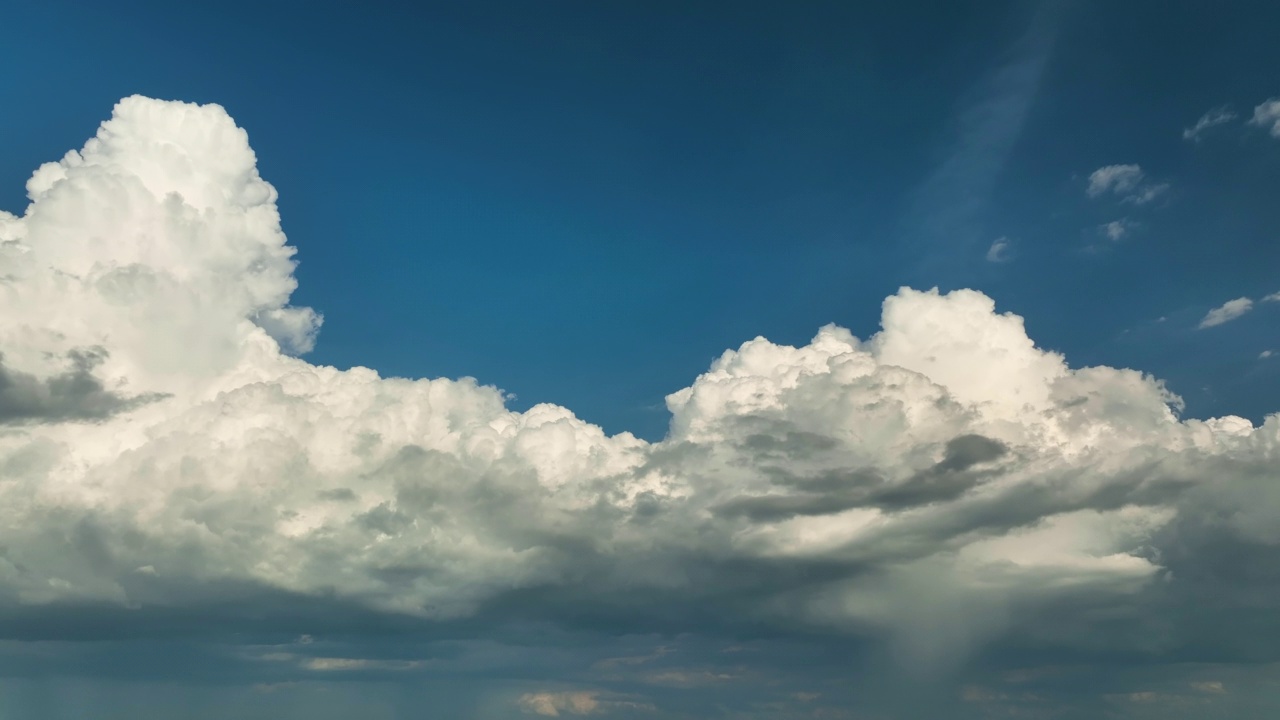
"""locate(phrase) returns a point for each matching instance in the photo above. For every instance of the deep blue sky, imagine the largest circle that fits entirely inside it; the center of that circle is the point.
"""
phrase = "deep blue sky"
(584, 203)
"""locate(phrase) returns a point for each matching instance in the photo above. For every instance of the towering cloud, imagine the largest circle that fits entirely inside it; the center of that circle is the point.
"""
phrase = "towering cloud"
(943, 484)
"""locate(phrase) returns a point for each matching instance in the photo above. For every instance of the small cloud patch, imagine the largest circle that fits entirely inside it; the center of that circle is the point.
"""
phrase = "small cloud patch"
(1211, 119)
(1267, 115)
(1000, 251)
(1127, 182)
(1228, 311)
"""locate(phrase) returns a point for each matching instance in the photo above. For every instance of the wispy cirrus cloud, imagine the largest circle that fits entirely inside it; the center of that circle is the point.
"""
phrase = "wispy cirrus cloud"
(950, 205)
(1213, 118)
(1001, 250)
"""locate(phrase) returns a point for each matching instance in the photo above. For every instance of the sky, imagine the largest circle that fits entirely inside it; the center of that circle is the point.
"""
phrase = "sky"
(639, 360)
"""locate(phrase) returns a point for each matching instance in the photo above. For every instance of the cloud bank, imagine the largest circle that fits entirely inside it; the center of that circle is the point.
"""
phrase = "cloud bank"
(937, 487)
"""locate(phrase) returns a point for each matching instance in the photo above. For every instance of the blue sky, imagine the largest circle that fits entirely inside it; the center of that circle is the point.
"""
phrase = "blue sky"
(586, 204)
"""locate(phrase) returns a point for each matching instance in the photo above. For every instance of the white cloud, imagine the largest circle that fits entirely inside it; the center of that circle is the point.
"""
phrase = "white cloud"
(1273, 297)
(1267, 114)
(1211, 119)
(1209, 686)
(1228, 311)
(1119, 179)
(1116, 229)
(1128, 182)
(1146, 193)
(999, 251)
(934, 484)
(1265, 354)
(551, 704)
(577, 702)
(333, 664)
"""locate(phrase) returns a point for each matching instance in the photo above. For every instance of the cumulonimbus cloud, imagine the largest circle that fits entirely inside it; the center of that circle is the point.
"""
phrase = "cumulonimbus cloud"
(939, 483)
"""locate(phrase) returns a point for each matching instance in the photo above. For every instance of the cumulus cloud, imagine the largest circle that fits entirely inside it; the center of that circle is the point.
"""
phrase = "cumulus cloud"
(940, 484)
(1267, 115)
(1127, 182)
(1116, 229)
(1228, 311)
(1211, 119)
(1000, 251)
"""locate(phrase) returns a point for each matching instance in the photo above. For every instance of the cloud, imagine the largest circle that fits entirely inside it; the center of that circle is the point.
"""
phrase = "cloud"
(1211, 119)
(1228, 311)
(1116, 229)
(1268, 114)
(999, 251)
(950, 207)
(332, 664)
(1114, 178)
(72, 395)
(1128, 182)
(1273, 297)
(935, 489)
(577, 702)
(1209, 686)
(551, 704)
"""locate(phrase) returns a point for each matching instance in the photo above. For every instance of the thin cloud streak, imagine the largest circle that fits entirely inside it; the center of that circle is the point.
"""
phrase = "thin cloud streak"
(1213, 118)
(947, 213)
(1225, 313)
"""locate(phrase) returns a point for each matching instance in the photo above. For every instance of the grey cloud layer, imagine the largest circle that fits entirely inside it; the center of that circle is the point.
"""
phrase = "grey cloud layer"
(945, 467)
(71, 395)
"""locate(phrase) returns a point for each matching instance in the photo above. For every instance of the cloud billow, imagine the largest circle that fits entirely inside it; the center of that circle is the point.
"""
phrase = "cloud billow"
(945, 466)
